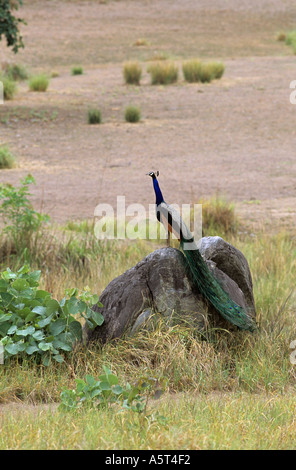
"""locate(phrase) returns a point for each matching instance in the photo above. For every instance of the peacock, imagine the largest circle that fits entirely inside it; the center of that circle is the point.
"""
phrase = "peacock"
(202, 277)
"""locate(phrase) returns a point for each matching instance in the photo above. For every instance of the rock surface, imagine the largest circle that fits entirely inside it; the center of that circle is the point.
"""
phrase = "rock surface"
(160, 284)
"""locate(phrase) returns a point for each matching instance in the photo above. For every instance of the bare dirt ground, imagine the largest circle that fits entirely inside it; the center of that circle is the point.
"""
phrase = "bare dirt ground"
(236, 135)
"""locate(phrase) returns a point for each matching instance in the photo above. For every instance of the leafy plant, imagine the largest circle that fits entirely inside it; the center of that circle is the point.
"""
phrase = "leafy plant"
(94, 116)
(132, 73)
(106, 390)
(9, 24)
(17, 212)
(132, 114)
(163, 73)
(39, 83)
(7, 159)
(33, 323)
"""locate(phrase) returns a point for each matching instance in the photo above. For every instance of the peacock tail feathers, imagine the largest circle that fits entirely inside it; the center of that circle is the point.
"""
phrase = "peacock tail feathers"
(213, 291)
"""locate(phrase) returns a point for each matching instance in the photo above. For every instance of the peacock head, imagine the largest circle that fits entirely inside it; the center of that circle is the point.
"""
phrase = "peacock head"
(152, 174)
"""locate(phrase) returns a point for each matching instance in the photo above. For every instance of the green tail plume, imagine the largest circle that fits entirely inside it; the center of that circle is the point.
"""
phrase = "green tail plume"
(213, 291)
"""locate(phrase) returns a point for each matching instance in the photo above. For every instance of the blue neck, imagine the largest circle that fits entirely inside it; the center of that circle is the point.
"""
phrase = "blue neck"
(158, 193)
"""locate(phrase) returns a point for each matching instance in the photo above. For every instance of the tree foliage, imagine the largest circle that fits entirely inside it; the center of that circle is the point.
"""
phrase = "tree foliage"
(9, 24)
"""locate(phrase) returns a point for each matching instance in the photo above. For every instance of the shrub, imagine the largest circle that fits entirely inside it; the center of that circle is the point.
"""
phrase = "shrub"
(218, 216)
(191, 70)
(197, 71)
(77, 70)
(94, 116)
(7, 159)
(9, 87)
(290, 38)
(217, 68)
(132, 114)
(163, 73)
(39, 83)
(132, 73)
(18, 214)
(33, 323)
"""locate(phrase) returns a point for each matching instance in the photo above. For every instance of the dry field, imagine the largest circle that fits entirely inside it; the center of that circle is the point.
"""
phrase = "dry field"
(236, 135)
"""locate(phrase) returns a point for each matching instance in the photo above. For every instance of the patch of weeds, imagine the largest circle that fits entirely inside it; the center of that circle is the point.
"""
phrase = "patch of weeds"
(163, 73)
(94, 116)
(39, 83)
(132, 114)
(132, 72)
(7, 159)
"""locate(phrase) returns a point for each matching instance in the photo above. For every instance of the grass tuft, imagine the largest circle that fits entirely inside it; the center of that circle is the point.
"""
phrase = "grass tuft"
(7, 159)
(94, 116)
(163, 73)
(132, 114)
(39, 83)
(132, 72)
(196, 71)
(77, 70)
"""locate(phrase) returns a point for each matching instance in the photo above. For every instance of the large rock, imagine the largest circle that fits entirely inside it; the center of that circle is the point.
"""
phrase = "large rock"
(161, 284)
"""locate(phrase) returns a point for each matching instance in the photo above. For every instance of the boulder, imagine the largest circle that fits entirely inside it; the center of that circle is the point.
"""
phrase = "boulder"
(160, 283)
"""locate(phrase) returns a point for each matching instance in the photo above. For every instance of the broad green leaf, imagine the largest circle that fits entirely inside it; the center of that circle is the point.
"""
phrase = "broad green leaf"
(20, 284)
(76, 329)
(90, 380)
(45, 321)
(27, 331)
(31, 349)
(38, 335)
(62, 341)
(30, 317)
(42, 294)
(39, 310)
(12, 330)
(58, 358)
(72, 306)
(5, 317)
(52, 306)
(58, 326)
(45, 346)
(15, 348)
(117, 389)
(97, 317)
(105, 386)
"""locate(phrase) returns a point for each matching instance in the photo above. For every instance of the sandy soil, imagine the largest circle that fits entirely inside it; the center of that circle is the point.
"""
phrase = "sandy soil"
(236, 136)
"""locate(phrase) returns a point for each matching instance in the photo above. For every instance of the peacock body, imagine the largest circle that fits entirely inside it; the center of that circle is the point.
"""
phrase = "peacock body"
(202, 277)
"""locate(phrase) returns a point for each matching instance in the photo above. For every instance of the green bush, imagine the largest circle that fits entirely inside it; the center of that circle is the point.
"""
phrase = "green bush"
(39, 83)
(106, 390)
(94, 116)
(163, 73)
(77, 70)
(19, 217)
(191, 70)
(290, 38)
(132, 73)
(33, 323)
(196, 71)
(132, 114)
(7, 159)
